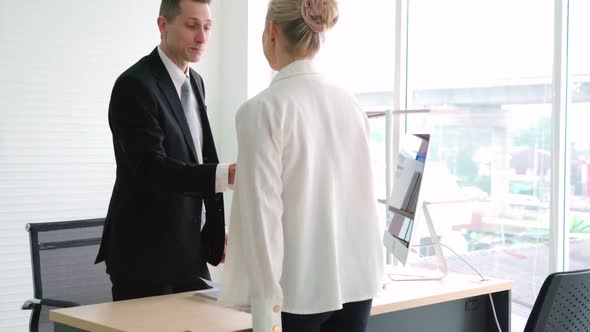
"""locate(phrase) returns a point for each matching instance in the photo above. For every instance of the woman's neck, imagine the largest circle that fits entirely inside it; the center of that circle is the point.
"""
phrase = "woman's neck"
(285, 58)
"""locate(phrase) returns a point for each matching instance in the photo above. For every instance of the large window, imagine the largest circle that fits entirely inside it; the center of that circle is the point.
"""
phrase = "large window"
(485, 71)
(491, 146)
(578, 222)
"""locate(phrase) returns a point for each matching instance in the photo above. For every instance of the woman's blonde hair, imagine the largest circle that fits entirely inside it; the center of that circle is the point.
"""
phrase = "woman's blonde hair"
(302, 34)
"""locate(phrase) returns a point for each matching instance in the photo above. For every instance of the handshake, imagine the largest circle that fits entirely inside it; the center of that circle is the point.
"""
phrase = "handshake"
(231, 176)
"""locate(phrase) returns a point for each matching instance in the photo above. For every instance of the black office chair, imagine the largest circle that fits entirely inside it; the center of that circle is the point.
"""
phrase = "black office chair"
(563, 303)
(64, 273)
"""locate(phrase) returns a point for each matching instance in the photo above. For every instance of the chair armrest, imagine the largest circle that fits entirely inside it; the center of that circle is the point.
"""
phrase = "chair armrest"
(59, 303)
(30, 304)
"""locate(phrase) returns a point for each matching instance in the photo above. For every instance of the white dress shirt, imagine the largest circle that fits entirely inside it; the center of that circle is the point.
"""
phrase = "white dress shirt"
(222, 170)
(304, 235)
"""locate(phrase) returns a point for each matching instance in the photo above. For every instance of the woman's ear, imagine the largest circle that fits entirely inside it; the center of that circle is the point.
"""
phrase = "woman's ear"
(273, 31)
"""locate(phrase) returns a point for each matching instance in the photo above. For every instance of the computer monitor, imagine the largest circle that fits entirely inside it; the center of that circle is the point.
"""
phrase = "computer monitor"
(404, 204)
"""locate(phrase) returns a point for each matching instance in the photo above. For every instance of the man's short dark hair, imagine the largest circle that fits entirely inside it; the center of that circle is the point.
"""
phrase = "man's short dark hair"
(171, 8)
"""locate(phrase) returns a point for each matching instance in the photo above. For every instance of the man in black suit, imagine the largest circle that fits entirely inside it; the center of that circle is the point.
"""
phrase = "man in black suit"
(165, 219)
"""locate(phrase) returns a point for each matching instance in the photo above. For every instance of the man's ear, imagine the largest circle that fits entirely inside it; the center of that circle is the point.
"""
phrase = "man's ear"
(162, 25)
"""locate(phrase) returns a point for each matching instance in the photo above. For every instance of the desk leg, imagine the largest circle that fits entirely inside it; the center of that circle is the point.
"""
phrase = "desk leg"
(502, 301)
(57, 327)
(463, 315)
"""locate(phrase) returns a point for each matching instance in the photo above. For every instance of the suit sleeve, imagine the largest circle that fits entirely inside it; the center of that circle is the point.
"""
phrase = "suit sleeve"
(259, 187)
(137, 135)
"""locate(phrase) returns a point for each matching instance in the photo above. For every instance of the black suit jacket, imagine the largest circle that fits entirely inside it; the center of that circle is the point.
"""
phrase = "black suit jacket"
(152, 229)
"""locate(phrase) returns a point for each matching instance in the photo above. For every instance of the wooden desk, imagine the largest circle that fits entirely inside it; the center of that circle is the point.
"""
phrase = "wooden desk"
(458, 300)
(182, 312)
(457, 303)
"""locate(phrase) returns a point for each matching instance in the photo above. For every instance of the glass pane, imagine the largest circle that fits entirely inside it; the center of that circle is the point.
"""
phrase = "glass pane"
(358, 52)
(488, 65)
(577, 133)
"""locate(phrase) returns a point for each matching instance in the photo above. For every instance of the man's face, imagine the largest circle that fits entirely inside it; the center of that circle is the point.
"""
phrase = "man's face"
(184, 38)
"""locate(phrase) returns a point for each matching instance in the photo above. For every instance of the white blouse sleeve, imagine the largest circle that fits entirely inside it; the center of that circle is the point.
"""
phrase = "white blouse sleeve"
(259, 186)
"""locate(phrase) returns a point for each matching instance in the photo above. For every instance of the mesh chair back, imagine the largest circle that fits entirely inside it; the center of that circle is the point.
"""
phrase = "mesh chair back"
(63, 256)
(563, 303)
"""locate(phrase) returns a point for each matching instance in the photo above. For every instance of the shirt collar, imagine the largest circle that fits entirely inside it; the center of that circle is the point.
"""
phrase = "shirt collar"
(299, 67)
(176, 74)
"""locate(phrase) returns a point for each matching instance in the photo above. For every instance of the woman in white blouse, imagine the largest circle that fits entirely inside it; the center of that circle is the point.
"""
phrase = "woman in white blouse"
(304, 245)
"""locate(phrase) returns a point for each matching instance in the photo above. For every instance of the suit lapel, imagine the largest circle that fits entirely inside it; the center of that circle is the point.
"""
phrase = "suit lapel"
(167, 87)
(209, 151)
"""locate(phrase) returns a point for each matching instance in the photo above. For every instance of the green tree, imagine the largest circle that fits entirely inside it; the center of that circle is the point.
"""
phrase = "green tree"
(579, 226)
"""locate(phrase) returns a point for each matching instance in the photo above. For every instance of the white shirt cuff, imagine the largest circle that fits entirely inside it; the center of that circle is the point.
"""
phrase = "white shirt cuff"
(221, 178)
(266, 315)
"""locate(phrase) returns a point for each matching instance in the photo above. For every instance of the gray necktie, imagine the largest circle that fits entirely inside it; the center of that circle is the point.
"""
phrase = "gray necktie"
(189, 105)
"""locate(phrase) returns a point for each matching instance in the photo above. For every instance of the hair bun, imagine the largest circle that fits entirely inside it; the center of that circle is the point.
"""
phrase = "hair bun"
(313, 12)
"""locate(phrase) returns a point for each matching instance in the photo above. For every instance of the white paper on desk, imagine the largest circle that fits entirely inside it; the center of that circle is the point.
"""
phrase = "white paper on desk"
(210, 283)
(211, 293)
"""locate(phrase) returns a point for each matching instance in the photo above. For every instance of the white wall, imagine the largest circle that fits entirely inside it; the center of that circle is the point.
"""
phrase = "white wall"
(58, 62)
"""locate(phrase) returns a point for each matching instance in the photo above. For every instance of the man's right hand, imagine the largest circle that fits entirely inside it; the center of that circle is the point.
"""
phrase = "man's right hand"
(232, 174)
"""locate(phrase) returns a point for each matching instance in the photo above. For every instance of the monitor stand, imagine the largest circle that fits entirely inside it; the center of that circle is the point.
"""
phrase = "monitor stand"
(408, 274)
